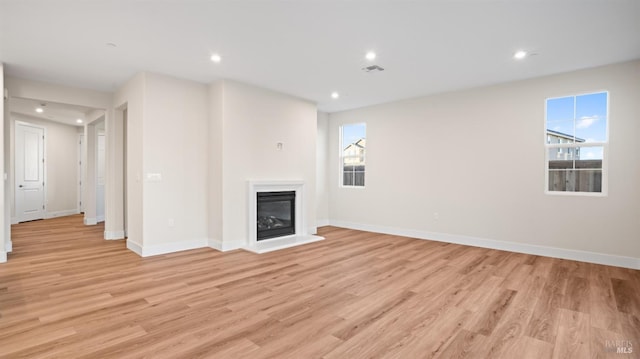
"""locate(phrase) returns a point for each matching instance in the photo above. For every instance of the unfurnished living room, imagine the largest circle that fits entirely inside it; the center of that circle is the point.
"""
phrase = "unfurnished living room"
(320, 179)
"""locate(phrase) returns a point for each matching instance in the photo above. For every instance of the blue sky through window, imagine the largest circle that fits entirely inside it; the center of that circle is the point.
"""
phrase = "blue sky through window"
(352, 133)
(584, 117)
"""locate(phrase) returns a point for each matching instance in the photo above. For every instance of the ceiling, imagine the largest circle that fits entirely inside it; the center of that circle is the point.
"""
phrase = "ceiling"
(52, 111)
(310, 48)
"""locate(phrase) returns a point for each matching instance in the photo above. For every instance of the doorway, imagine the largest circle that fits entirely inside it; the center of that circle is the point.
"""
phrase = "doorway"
(29, 172)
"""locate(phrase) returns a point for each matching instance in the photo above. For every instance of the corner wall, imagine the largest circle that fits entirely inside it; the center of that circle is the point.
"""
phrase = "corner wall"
(468, 167)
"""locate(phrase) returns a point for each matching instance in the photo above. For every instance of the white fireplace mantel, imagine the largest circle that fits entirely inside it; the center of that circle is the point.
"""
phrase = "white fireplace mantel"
(301, 235)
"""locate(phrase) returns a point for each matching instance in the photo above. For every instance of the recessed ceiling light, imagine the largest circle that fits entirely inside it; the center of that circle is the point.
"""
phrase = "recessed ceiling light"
(335, 94)
(79, 120)
(370, 56)
(216, 58)
(519, 55)
(39, 110)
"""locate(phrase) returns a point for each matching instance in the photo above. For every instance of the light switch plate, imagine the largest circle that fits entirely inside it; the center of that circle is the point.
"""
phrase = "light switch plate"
(154, 177)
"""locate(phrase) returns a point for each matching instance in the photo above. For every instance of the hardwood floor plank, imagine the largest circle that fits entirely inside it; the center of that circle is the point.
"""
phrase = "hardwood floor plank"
(477, 299)
(513, 324)
(544, 322)
(604, 310)
(241, 348)
(516, 278)
(83, 344)
(494, 312)
(370, 310)
(466, 344)
(576, 295)
(574, 335)
(626, 294)
(420, 344)
(528, 348)
(33, 338)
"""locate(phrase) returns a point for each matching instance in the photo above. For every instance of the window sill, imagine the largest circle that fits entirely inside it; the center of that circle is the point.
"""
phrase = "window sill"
(576, 194)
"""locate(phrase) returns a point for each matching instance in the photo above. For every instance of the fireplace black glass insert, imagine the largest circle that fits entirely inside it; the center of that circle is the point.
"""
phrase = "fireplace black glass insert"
(276, 214)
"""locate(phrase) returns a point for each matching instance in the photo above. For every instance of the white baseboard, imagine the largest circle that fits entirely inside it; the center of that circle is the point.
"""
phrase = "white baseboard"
(109, 235)
(54, 214)
(135, 247)
(3, 257)
(322, 222)
(572, 254)
(90, 221)
(100, 218)
(14, 220)
(8, 246)
(226, 245)
(154, 250)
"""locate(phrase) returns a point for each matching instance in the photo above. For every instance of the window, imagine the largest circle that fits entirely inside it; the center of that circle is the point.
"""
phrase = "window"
(353, 142)
(576, 143)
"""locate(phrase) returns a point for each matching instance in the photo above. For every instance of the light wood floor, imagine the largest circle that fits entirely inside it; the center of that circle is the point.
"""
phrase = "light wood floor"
(66, 293)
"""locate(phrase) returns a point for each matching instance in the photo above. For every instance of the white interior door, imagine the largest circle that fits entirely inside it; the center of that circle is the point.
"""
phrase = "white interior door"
(29, 165)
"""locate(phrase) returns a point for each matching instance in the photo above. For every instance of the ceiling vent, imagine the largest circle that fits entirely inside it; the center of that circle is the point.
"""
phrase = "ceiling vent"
(372, 68)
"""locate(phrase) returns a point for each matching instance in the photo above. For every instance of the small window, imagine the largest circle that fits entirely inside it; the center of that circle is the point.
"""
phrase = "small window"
(353, 143)
(576, 143)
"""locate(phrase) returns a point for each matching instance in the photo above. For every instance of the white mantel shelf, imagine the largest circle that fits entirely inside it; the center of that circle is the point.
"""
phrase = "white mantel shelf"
(301, 236)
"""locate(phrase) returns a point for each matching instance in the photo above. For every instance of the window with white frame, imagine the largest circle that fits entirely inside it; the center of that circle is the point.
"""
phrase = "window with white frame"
(353, 143)
(576, 143)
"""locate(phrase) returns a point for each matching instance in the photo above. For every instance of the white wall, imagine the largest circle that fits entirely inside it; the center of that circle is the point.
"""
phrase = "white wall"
(91, 198)
(174, 143)
(89, 195)
(191, 150)
(215, 139)
(100, 174)
(254, 121)
(130, 97)
(61, 149)
(476, 158)
(167, 169)
(322, 170)
(5, 228)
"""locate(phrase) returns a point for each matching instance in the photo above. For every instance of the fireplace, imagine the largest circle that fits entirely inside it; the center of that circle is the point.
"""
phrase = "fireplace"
(279, 209)
(276, 214)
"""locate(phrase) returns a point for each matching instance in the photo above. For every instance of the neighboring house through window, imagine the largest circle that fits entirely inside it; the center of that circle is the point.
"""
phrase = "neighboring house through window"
(353, 145)
(576, 143)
